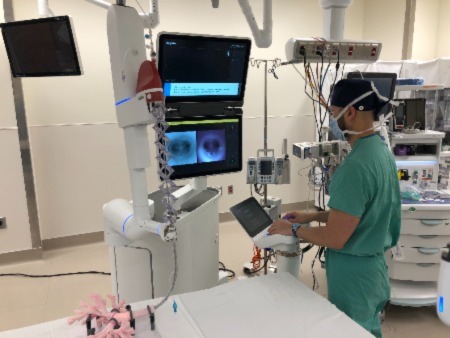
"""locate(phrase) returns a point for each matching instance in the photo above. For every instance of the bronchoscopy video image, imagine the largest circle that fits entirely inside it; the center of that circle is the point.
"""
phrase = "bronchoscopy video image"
(183, 148)
(211, 146)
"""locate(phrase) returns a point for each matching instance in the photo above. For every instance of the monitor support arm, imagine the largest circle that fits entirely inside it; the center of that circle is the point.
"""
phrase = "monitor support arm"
(263, 37)
(189, 191)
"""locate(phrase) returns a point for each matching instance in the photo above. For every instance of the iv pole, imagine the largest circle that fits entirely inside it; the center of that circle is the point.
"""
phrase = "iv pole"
(275, 63)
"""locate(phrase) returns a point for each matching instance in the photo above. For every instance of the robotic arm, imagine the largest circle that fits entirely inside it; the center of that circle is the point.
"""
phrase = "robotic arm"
(139, 102)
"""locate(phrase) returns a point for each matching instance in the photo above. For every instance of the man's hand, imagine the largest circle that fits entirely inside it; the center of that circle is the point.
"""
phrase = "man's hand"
(281, 227)
(298, 217)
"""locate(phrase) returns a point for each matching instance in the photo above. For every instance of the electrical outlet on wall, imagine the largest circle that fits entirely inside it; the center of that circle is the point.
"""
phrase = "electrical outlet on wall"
(230, 189)
(2, 222)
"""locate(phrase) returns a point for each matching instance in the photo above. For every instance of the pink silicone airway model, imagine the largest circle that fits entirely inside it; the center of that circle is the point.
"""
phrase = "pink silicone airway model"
(114, 323)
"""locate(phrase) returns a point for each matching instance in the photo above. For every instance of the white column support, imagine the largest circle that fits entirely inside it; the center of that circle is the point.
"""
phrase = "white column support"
(44, 9)
(334, 18)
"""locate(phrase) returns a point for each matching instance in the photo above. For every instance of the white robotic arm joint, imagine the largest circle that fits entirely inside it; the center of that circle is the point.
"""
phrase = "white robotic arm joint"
(123, 227)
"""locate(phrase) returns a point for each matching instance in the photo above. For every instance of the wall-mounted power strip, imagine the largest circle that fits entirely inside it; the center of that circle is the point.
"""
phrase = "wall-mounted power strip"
(329, 51)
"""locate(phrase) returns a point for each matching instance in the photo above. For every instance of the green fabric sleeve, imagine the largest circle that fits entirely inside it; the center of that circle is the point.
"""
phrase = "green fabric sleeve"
(349, 190)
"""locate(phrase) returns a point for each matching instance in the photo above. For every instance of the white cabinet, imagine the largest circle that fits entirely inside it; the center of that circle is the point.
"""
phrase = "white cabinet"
(425, 230)
(414, 264)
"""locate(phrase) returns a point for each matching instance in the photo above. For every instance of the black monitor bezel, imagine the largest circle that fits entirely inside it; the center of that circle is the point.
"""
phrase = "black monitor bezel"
(174, 101)
(253, 203)
(376, 75)
(8, 47)
(174, 176)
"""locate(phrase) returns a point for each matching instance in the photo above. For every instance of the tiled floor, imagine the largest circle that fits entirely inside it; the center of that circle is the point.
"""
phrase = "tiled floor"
(26, 301)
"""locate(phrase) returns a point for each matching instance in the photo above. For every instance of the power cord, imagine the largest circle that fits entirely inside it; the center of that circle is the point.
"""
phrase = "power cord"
(231, 273)
(267, 260)
(256, 259)
(55, 275)
(259, 190)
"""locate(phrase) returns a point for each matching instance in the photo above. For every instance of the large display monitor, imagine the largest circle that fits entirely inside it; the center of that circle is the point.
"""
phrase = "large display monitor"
(197, 68)
(384, 83)
(203, 146)
(41, 47)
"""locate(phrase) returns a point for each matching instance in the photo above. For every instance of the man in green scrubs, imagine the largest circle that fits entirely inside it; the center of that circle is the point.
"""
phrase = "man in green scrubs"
(363, 220)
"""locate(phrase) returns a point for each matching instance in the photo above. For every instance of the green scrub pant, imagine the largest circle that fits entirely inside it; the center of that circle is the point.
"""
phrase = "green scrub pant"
(359, 287)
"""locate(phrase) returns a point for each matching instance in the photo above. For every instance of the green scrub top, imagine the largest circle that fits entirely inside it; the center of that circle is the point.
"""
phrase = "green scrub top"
(366, 186)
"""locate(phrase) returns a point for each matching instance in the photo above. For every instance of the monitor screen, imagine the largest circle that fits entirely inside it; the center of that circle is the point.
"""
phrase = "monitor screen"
(41, 47)
(384, 83)
(203, 146)
(203, 68)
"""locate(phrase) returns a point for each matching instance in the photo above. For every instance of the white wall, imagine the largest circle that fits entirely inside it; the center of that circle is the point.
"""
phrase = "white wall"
(354, 20)
(12, 197)
(79, 167)
(426, 30)
(384, 21)
(442, 44)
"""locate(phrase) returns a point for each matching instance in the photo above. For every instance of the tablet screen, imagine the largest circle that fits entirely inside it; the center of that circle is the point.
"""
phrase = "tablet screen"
(251, 215)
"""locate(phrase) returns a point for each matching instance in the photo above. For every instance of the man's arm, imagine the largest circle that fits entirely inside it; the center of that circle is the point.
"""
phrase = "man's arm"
(320, 216)
(340, 226)
(307, 217)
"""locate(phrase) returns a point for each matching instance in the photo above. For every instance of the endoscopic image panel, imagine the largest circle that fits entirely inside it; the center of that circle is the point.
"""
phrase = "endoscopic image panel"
(182, 147)
(211, 146)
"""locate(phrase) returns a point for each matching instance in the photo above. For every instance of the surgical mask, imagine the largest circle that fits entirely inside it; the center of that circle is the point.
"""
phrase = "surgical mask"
(363, 96)
(336, 130)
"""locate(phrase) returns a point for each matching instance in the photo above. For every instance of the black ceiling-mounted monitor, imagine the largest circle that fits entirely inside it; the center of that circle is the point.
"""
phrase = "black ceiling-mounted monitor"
(203, 69)
(41, 47)
(202, 146)
(384, 83)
